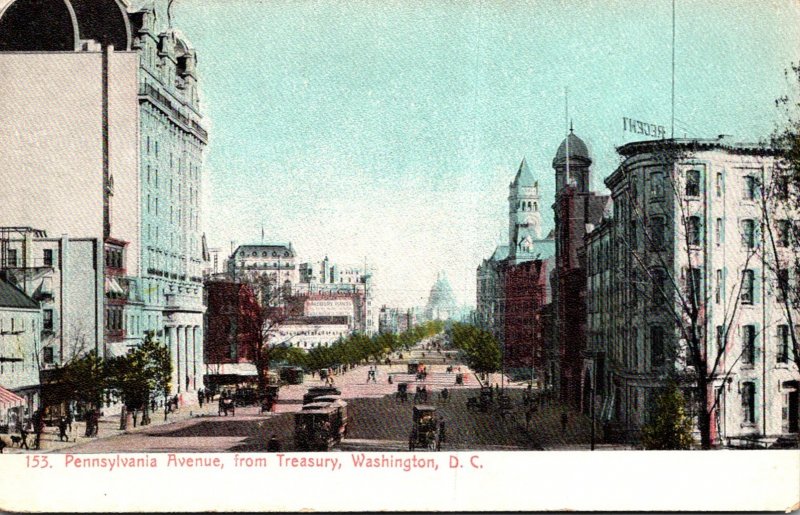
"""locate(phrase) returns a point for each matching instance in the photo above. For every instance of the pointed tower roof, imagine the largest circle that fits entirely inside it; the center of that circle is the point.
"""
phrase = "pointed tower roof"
(524, 176)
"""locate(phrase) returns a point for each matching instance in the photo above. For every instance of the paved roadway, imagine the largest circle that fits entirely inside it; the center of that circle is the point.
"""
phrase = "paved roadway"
(378, 421)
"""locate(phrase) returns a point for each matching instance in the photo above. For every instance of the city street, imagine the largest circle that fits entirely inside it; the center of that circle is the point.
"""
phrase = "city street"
(378, 420)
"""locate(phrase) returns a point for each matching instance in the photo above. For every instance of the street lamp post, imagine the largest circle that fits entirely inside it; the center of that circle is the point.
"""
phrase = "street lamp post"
(592, 407)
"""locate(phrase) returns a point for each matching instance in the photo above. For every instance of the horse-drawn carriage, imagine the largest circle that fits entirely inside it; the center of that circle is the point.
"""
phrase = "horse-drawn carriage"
(402, 392)
(319, 426)
(426, 430)
(226, 404)
(269, 397)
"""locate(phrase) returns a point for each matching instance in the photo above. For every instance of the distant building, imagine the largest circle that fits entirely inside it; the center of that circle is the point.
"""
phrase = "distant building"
(276, 262)
(396, 320)
(307, 332)
(513, 283)
(441, 302)
(230, 339)
(20, 331)
(490, 310)
(527, 290)
(339, 290)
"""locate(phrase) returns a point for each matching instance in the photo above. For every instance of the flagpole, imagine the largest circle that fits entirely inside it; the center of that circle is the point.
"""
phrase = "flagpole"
(672, 126)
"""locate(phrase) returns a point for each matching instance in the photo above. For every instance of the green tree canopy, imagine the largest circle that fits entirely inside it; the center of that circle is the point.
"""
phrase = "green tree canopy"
(671, 428)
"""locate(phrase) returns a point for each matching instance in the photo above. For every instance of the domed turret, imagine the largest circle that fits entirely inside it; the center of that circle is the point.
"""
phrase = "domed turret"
(572, 164)
(577, 150)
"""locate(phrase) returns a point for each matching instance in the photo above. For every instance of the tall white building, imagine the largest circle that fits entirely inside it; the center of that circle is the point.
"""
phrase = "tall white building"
(109, 146)
(688, 221)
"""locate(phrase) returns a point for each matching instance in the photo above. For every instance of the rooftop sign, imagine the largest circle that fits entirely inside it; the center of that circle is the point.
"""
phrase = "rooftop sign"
(645, 129)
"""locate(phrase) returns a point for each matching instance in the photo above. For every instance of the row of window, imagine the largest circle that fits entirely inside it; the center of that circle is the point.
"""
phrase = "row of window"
(264, 253)
(11, 258)
(748, 336)
(693, 185)
(527, 206)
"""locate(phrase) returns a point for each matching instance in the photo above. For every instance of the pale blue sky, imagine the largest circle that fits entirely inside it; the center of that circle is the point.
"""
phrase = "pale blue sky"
(390, 130)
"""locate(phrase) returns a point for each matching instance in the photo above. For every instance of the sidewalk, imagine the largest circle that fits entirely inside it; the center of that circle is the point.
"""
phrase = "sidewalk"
(108, 426)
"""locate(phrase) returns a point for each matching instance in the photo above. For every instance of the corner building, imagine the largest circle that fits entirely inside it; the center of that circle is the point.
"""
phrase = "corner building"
(689, 212)
(116, 94)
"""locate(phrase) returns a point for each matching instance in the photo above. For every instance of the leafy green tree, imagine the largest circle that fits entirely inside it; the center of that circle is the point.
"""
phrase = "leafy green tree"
(671, 427)
(138, 375)
(481, 350)
(84, 379)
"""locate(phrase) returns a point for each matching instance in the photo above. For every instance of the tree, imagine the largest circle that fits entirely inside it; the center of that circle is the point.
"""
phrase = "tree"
(263, 306)
(136, 377)
(84, 379)
(482, 352)
(780, 204)
(671, 428)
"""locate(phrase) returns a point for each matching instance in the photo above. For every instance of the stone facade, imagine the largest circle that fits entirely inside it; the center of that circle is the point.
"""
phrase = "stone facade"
(127, 168)
(688, 223)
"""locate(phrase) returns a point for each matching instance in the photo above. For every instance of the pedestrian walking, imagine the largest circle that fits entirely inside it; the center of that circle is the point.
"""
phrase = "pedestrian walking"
(201, 395)
(23, 435)
(442, 437)
(70, 418)
(274, 445)
(38, 427)
(62, 429)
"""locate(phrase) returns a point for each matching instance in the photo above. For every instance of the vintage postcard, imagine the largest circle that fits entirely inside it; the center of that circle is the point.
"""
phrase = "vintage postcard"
(410, 255)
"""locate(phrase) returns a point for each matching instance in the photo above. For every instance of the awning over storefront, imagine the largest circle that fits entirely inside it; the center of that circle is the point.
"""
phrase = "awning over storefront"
(10, 399)
(112, 286)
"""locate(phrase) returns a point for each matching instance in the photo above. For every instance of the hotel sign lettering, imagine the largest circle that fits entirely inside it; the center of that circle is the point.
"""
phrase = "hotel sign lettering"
(646, 129)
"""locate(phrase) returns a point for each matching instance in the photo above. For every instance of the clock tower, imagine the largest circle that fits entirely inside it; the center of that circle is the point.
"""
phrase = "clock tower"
(524, 219)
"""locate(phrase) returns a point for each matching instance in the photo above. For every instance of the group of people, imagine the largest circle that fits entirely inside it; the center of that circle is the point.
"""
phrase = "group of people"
(372, 373)
(205, 395)
(421, 394)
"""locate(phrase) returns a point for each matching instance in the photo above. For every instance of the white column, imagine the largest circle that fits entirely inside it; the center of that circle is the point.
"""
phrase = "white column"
(178, 363)
(196, 367)
(186, 356)
(200, 361)
(173, 356)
